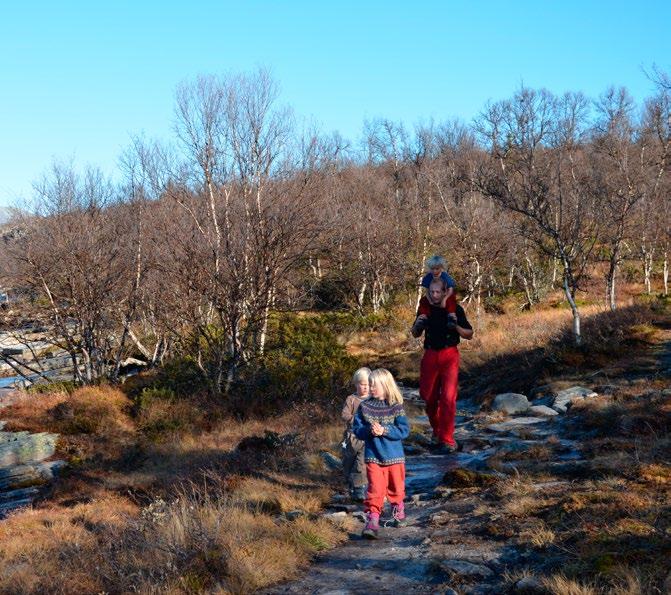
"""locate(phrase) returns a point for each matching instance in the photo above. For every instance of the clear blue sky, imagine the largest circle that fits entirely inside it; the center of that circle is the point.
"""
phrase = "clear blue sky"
(78, 78)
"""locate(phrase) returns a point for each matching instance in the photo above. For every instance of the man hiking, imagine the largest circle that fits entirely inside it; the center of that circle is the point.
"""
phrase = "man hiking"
(439, 371)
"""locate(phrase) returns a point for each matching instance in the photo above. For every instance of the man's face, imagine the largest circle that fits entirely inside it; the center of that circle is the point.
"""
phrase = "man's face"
(436, 293)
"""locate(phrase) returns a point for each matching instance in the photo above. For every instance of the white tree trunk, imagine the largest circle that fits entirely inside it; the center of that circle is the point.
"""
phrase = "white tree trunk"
(576, 314)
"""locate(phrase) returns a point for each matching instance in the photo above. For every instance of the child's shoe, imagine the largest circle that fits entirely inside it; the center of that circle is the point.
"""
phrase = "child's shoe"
(398, 515)
(372, 526)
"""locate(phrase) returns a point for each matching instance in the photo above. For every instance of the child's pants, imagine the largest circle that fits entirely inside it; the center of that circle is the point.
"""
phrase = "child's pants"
(384, 480)
(353, 464)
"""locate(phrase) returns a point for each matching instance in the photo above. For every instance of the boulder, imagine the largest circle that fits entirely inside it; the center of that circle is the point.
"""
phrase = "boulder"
(542, 410)
(17, 448)
(511, 403)
(565, 398)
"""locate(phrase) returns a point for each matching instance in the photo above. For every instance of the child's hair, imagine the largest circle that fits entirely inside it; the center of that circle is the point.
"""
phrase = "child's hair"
(388, 384)
(360, 374)
(435, 261)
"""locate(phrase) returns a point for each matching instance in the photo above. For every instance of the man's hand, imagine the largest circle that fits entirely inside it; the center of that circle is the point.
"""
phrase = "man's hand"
(419, 325)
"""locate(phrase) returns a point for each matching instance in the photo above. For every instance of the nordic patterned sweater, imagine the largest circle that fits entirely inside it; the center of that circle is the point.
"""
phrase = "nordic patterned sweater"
(386, 449)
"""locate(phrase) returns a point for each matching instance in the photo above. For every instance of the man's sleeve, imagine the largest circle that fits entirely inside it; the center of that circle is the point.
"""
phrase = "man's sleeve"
(462, 321)
(424, 307)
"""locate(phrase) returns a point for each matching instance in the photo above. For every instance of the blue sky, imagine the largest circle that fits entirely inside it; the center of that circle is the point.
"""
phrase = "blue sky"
(78, 78)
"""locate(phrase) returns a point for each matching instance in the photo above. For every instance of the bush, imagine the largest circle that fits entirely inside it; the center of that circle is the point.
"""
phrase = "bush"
(303, 362)
(160, 413)
(92, 410)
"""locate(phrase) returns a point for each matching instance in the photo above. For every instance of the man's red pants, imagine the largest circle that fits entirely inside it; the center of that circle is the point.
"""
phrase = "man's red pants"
(438, 381)
(384, 480)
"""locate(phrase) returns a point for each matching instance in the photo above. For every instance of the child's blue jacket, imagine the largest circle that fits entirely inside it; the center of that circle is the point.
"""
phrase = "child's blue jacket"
(388, 448)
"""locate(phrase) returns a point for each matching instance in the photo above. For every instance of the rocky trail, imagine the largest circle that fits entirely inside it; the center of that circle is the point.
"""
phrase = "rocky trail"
(454, 542)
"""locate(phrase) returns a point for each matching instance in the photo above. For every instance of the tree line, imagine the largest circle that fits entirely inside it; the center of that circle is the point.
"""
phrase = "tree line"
(245, 214)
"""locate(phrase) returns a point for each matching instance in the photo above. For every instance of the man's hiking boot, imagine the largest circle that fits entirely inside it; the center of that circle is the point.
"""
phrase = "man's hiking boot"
(398, 515)
(447, 449)
(372, 526)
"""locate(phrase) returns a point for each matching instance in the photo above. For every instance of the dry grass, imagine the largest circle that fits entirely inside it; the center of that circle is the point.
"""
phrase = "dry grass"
(202, 540)
(128, 517)
(560, 585)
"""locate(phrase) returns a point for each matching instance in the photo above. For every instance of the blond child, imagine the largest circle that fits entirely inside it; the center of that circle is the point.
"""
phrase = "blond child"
(436, 267)
(381, 423)
(354, 466)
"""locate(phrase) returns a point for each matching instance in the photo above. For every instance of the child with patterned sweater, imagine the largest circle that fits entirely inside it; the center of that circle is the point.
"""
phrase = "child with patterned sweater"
(381, 423)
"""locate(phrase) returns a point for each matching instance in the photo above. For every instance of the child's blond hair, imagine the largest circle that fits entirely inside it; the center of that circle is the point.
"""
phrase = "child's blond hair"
(385, 379)
(436, 261)
(360, 374)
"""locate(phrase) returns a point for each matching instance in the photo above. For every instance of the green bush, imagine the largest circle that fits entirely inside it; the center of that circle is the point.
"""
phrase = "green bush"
(304, 362)
(60, 386)
(159, 413)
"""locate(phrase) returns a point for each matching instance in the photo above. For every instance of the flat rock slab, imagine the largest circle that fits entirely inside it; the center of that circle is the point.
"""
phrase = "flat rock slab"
(570, 395)
(17, 448)
(542, 410)
(516, 424)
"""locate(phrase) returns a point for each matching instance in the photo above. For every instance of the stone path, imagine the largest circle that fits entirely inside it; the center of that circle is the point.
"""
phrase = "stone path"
(402, 560)
(443, 548)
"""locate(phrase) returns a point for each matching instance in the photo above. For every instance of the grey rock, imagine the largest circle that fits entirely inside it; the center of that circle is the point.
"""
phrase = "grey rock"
(511, 403)
(292, 515)
(17, 448)
(463, 568)
(515, 424)
(344, 507)
(529, 585)
(565, 398)
(542, 410)
(33, 474)
(335, 516)
(666, 392)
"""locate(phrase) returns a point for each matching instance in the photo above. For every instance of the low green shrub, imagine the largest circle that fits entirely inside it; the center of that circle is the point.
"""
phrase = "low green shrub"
(304, 362)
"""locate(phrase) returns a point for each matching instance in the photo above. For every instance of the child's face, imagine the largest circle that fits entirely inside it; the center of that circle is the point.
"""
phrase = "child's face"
(362, 387)
(436, 271)
(376, 391)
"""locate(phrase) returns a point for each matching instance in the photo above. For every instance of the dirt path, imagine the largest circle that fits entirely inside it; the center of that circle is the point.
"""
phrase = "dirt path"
(453, 543)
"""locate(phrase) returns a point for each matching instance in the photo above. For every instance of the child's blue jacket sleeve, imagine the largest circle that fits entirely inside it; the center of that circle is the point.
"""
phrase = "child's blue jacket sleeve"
(360, 427)
(449, 281)
(399, 429)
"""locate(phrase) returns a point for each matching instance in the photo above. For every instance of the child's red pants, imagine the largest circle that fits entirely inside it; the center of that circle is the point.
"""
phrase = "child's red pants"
(384, 480)
(438, 381)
